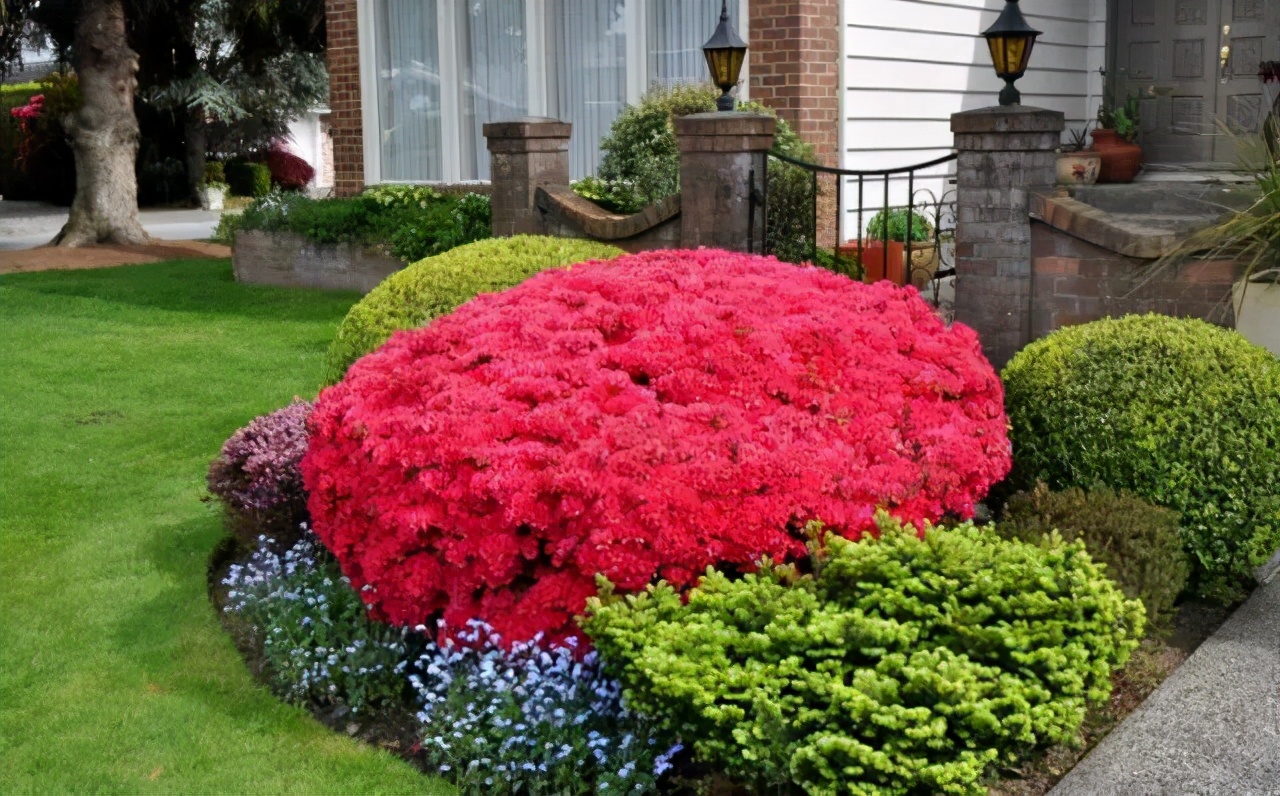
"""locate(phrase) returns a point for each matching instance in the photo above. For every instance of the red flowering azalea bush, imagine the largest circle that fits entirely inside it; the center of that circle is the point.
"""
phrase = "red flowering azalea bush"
(641, 418)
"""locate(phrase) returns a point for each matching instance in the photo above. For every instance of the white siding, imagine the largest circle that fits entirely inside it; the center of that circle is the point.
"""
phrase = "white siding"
(909, 64)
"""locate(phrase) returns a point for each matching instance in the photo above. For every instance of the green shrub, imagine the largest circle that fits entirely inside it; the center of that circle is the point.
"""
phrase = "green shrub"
(437, 285)
(248, 179)
(214, 173)
(1138, 542)
(408, 222)
(904, 665)
(1182, 413)
(641, 165)
(896, 221)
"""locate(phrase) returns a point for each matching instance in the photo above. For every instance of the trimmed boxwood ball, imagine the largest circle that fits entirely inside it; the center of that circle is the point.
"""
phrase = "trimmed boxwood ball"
(437, 285)
(905, 665)
(643, 417)
(1183, 413)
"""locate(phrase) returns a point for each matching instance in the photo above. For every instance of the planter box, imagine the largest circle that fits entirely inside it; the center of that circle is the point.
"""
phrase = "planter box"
(288, 260)
(877, 263)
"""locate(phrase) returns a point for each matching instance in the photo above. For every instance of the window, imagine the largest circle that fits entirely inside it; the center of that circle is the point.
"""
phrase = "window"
(439, 70)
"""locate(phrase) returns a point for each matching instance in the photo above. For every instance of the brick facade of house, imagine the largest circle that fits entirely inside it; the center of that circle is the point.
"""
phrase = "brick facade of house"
(794, 68)
(346, 123)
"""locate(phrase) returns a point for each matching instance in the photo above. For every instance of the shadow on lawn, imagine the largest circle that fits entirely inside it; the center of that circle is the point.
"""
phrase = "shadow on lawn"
(195, 286)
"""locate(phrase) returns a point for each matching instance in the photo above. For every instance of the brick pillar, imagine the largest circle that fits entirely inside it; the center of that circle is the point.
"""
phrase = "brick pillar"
(346, 123)
(795, 67)
(718, 153)
(525, 155)
(1004, 154)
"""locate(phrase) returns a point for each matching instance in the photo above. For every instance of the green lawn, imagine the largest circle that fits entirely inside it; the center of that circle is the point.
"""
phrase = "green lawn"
(117, 387)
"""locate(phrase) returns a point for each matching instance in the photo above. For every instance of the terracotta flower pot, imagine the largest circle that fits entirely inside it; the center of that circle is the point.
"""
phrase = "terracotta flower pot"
(1079, 168)
(877, 261)
(1121, 159)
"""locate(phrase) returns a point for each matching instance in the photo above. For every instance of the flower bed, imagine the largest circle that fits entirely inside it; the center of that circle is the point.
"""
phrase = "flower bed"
(692, 520)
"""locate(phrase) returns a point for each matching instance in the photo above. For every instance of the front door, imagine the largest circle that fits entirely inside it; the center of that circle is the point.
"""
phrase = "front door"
(1194, 66)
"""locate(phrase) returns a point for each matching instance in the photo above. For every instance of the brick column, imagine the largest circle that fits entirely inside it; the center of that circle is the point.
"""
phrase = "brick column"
(525, 155)
(718, 153)
(346, 123)
(795, 67)
(1004, 154)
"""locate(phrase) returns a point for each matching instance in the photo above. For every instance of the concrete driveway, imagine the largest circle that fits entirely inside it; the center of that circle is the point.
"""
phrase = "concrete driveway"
(25, 225)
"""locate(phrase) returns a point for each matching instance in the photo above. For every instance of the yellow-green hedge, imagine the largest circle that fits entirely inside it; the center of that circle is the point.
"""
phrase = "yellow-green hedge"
(437, 285)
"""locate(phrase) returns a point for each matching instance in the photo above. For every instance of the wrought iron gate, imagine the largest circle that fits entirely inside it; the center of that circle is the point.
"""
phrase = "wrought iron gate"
(792, 225)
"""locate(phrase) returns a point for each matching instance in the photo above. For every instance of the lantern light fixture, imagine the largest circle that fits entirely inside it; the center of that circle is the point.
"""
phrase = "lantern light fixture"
(1010, 40)
(725, 52)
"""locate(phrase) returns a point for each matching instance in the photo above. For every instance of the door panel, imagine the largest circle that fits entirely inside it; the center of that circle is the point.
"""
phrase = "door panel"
(1169, 54)
(1252, 31)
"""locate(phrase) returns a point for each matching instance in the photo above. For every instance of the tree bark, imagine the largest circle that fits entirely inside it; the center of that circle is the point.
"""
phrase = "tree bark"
(193, 132)
(104, 132)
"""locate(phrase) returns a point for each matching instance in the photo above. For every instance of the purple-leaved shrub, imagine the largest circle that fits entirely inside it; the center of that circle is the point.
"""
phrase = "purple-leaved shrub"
(256, 476)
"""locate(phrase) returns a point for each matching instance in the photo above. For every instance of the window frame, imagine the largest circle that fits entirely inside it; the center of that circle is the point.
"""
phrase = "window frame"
(451, 132)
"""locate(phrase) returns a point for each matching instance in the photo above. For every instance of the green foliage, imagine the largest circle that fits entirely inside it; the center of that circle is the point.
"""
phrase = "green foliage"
(214, 173)
(904, 665)
(1124, 119)
(1138, 542)
(896, 221)
(410, 222)
(437, 285)
(1183, 413)
(641, 165)
(248, 179)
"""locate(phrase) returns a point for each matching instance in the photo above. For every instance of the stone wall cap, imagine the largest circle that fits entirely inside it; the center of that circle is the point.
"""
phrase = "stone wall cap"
(599, 223)
(1008, 119)
(529, 127)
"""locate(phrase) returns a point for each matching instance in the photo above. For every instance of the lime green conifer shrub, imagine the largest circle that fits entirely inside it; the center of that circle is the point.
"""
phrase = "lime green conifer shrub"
(1182, 413)
(902, 665)
(1137, 541)
(437, 285)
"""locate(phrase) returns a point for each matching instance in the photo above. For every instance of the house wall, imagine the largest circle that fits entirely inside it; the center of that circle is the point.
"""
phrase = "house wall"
(909, 64)
(345, 119)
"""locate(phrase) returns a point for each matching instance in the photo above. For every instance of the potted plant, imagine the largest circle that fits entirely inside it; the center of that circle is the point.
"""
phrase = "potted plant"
(213, 189)
(1115, 140)
(1077, 165)
(884, 250)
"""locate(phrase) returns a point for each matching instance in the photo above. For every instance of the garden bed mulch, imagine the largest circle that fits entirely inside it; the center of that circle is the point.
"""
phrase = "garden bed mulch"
(1154, 661)
(59, 258)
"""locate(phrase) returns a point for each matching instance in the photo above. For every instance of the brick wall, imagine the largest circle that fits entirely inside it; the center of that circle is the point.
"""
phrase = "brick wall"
(1074, 281)
(795, 68)
(344, 96)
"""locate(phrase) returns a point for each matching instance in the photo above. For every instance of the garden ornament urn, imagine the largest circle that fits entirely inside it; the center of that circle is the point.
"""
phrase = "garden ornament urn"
(725, 51)
(1010, 40)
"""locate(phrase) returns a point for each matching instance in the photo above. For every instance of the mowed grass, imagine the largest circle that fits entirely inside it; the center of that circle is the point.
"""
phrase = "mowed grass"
(117, 386)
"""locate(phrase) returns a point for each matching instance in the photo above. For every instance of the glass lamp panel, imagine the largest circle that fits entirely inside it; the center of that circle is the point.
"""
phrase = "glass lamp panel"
(1015, 52)
(998, 55)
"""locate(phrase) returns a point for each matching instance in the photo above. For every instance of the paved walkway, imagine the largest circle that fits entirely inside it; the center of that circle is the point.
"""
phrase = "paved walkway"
(25, 225)
(1211, 729)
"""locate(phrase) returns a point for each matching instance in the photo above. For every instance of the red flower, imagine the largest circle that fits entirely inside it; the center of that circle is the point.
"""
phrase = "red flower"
(641, 418)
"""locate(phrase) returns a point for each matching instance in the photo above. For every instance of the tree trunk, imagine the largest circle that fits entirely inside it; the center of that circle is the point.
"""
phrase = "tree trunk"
(104, 132)
(193, 132)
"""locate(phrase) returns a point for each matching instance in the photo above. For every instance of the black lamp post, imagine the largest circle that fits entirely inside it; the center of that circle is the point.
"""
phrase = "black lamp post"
(725, 51)
(1010, 40)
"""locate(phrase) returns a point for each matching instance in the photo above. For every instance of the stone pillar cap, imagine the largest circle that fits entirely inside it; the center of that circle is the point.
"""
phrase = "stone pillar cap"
(1008, 119)
(529, 127)
(728, 123)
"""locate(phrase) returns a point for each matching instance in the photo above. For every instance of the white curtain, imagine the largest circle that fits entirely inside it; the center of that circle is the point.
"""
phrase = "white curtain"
(494, 55)
(588, 79)
(409, 113)
(677, 30)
